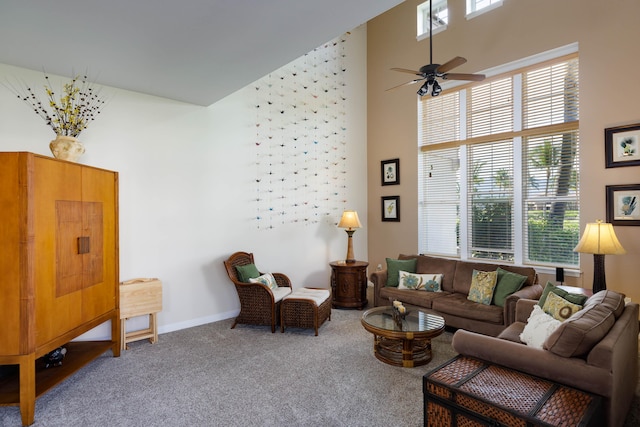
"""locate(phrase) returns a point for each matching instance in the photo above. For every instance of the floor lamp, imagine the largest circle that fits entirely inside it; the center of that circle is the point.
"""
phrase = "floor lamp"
(350, 221)
(599, 239)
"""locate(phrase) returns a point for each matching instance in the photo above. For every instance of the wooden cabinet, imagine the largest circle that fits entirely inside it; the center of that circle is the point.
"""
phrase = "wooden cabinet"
(349, 284)
(59, 270)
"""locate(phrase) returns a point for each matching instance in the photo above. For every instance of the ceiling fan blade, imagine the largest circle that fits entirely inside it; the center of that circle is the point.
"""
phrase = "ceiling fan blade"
(455, 62)
(405, 84)
(404, 70)
(463, 76)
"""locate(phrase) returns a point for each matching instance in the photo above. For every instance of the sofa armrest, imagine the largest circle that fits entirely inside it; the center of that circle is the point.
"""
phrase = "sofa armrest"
(532, 292)
(379, 280)
(524, 307)
(572, 371)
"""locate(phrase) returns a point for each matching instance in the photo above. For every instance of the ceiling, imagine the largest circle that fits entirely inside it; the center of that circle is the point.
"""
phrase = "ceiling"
(196, 51)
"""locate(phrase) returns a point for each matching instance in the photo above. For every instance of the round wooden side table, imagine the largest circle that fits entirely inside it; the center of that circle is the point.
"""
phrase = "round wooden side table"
(349, 284)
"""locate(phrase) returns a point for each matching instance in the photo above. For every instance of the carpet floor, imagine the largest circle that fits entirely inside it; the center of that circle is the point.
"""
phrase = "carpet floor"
(212, 375)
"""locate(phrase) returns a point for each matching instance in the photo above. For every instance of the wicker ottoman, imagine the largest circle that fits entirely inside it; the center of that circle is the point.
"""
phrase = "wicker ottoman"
(472, 392)
(305, 308)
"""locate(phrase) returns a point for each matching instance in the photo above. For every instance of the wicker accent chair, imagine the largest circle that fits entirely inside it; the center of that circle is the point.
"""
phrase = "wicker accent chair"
(258, 305)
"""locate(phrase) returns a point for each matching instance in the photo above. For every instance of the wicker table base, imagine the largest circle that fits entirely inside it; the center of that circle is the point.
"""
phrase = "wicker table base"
(467, 391)
(406, 343)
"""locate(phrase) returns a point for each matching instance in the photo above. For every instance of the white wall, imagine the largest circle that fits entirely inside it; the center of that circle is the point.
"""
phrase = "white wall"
(186, 178)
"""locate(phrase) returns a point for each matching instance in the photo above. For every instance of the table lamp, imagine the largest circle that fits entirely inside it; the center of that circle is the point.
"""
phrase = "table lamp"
(599, 239)
(350, 221)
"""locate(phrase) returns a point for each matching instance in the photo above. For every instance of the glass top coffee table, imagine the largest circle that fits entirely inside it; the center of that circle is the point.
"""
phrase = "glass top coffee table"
(407, 343)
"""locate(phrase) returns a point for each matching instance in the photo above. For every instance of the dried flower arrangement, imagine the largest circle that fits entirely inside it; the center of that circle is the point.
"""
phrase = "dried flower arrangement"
(399, 312)
(69, 113)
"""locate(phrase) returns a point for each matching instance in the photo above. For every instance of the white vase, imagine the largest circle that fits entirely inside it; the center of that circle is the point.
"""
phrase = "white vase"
(66, 148)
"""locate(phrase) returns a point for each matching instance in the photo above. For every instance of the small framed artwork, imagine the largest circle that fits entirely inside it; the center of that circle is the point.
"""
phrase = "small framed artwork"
(622, 146)
(391, 208)
(623, 204)
(390, 171)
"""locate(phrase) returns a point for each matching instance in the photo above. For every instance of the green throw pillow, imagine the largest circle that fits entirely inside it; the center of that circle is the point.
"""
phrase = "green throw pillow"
(578, 299)
(483, 284)
(246, 272)
(508, 283)
(395, 265)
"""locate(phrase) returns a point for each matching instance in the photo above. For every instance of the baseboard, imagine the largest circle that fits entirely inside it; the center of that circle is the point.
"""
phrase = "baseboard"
(197, 322)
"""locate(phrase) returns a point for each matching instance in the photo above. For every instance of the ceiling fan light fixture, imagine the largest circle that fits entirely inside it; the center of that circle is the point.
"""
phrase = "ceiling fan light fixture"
(436, 89)
(424, 89)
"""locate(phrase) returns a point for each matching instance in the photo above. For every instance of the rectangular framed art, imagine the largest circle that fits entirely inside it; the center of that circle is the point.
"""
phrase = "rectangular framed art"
(390, 171)
(391, 208)
(623, 204)
(621, 146)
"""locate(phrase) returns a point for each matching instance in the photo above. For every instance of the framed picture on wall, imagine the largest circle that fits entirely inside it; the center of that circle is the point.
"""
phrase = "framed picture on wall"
(390, 171)
(622, 146)
(391, 208)
(623, 204)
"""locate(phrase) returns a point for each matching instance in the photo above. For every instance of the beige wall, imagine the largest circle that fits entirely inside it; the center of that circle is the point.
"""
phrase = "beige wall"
(608, 37)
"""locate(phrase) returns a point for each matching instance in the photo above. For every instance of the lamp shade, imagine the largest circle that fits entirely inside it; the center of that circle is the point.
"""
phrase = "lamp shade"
(349, 220)
(599, 238)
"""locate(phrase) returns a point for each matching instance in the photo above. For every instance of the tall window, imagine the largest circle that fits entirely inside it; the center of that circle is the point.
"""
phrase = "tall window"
(477, 7)
(499, 163)
(440, 17)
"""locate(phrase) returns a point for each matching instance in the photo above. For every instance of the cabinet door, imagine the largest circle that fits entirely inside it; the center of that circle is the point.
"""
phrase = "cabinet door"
(56, 186)
(100, 225)
(349, 285)
(76, 246)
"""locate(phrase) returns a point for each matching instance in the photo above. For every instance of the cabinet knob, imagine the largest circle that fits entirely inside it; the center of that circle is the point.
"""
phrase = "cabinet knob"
(83, 245)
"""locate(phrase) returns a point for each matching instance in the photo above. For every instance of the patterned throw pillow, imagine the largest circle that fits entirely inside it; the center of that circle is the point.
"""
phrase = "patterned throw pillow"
(482, 285)
(559, 308)
(266, 279)
(423, 282)
(578, 299)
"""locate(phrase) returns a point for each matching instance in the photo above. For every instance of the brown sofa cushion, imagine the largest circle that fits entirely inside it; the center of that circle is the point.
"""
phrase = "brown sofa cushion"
(608, 299)
(577, 335)
(457, 304)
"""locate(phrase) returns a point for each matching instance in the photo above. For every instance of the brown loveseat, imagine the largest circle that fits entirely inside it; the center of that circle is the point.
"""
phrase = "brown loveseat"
(595, 350)
(452, 303)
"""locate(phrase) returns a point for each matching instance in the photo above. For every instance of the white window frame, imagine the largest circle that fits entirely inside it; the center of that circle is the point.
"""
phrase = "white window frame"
(423, 18)
(478, 7)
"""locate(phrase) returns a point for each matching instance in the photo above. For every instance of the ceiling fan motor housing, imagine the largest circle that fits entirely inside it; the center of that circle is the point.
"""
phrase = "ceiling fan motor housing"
(429, 69)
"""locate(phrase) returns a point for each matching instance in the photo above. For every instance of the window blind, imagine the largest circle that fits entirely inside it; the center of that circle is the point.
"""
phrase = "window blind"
(490, 108)
(490, 198)
(516, 196)
(439, 202)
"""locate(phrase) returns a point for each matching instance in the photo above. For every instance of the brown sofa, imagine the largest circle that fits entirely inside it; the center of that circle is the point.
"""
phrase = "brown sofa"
(595, 350)
(452, 303)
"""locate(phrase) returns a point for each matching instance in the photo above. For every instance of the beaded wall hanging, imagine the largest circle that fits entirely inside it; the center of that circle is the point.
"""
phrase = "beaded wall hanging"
(300, 140)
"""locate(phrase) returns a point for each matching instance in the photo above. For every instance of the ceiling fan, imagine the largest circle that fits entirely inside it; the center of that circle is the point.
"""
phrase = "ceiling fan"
(431, 72)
